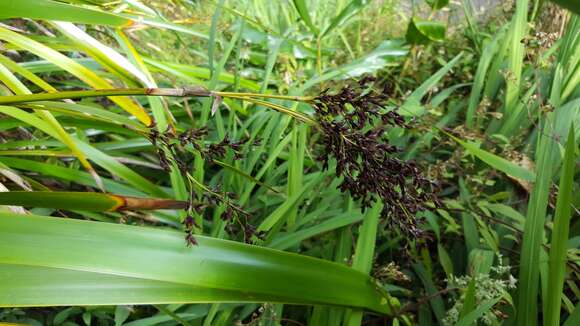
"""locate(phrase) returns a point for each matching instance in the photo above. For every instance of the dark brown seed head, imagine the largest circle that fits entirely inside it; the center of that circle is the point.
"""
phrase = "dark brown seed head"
(354, 124)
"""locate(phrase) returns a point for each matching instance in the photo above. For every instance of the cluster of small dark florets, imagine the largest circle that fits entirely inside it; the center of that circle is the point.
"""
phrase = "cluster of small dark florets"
(354, 124)
(182, 147)
(179, 150)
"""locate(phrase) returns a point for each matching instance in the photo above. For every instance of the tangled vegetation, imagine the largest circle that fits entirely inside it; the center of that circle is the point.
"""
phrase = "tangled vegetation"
(341, 162)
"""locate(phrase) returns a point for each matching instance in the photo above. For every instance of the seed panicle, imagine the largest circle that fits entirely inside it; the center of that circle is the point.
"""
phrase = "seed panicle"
(355, 125)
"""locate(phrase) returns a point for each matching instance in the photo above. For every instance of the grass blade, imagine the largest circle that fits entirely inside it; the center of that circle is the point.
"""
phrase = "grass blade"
(303, 11)
(88, 201)
(487, 55)
(19, 88)
(481, 309)
(412, 105)
(518, 29)
(74, 68)
(364, 253)
(557, 261)
(534, 231)
(345, 14)
(248, 273)
(48, 9)
(496, 162)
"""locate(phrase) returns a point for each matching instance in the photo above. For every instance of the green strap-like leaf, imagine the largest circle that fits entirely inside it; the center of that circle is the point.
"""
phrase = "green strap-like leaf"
(223, 270)
(560, 233)
(302, 9)
(345, 14)
(497, 162)
(52, 10)
(87, 201)
(481, 309)
(437, 4)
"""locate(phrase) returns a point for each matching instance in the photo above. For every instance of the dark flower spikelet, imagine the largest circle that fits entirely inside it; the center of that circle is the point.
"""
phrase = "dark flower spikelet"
(354, 126)
(179, 150)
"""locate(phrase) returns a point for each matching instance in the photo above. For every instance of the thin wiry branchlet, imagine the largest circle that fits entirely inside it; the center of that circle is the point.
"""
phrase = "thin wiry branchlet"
(179, 150)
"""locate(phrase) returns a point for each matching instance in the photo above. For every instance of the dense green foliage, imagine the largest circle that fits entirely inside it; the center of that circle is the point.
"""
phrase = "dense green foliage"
(299, 162)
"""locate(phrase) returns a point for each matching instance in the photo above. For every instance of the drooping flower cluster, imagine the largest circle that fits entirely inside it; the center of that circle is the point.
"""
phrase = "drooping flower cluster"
(354, 125)
(181, 147)
(179, 150)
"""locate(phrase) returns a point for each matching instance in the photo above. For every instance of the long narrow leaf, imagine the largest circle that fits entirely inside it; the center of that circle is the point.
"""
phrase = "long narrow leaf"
(87, 201)
(248, 273)
(48, 9)
(74, 68)
(557, 262)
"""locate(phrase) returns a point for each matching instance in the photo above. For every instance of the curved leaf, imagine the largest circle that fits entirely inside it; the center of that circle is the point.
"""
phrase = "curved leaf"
(48, 9)
(437, 4)
(81, 72)
(425, 31)
(225, 270)
(302, 9)
(345, 14)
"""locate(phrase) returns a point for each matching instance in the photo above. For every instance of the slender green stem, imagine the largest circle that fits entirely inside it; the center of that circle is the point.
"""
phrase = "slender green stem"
(177, 92)
(195, 91)
(281, 97)
(203, 187)
(300, 116)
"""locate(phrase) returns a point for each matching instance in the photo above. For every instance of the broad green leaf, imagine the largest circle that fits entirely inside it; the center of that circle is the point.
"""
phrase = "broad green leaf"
(387, 53)
(425, 31)
(212, 271)
(509, 212)
(437, 4)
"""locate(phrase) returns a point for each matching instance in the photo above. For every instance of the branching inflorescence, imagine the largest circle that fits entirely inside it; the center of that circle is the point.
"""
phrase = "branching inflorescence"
(354, 124)
(179, 150)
